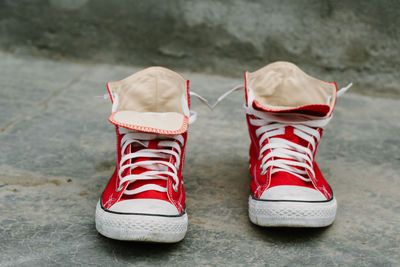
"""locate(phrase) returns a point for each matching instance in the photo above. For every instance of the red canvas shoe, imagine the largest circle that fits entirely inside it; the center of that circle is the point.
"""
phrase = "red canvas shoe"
(286, 113)
(144, 199)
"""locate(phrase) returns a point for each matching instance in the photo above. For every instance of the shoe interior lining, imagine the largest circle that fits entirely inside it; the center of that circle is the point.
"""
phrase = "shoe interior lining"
(282, 85)
(151, 100)
(155, 89)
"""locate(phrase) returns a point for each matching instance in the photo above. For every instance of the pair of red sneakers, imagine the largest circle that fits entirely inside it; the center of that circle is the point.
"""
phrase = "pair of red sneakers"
(286, 112)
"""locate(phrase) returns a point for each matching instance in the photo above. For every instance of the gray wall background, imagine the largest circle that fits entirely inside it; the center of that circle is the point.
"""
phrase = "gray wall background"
(340, 41)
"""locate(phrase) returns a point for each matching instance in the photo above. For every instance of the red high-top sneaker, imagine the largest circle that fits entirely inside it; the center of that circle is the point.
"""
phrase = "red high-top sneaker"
(286, 113)
(144, 199)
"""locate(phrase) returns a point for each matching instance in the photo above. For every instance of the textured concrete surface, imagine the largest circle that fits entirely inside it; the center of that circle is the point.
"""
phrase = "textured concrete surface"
(342, 39)
(57, 152)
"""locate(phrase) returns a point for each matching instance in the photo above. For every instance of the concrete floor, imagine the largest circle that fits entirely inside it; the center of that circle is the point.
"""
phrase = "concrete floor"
(57, 152)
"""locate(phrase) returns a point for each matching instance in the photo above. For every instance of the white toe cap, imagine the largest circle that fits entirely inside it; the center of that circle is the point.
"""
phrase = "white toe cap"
(292, 192)
(145, 206)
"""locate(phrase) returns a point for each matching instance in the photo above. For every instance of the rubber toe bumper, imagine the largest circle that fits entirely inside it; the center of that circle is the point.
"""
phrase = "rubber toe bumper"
(282, 213)
(141, 227)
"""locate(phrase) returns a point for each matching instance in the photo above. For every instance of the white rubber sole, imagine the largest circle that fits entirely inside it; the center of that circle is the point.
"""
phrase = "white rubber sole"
(147, 228)
(292, 213)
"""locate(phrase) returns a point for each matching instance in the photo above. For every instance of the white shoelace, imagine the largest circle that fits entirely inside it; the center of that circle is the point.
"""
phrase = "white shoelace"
(155, 169)
(285, 155)
(158, 166)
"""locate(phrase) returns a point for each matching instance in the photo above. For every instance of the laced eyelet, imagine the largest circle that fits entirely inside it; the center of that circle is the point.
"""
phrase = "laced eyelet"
(175, 187)
(119, 188)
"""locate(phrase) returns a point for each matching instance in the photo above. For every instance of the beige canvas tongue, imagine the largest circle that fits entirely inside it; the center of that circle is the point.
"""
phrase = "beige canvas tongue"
(282, 86)
(153, 100)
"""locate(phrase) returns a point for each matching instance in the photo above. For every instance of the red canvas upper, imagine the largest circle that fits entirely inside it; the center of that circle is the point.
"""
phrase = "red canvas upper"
(112, 195)
(260, 183)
